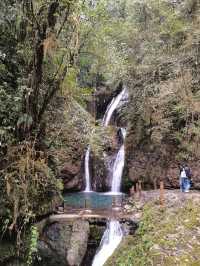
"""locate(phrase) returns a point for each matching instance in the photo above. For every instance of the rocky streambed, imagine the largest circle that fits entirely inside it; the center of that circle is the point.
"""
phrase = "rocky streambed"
(72, 241)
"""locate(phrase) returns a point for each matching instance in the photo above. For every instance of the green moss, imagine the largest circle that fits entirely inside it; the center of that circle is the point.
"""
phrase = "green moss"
(166, 236)
(95, 232)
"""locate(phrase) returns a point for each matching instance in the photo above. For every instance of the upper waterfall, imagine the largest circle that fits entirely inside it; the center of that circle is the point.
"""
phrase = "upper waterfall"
(106, 119)
(112, 106)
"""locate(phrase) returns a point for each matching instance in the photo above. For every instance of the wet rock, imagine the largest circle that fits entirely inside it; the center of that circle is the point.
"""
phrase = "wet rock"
(102, 164)
(53, 245)
(129, 227)
(99, 182)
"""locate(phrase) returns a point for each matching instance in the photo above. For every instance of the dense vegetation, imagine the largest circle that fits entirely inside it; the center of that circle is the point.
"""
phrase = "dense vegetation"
(57, 56)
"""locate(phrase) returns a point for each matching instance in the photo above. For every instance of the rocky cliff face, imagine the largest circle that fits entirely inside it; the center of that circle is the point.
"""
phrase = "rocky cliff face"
(72, 176)
(148, 167)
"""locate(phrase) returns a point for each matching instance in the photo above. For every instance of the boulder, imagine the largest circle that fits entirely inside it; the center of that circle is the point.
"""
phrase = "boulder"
(78, 243)
(63, 244)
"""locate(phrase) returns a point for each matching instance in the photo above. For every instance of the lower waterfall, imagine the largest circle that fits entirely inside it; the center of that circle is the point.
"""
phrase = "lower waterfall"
(109, 242)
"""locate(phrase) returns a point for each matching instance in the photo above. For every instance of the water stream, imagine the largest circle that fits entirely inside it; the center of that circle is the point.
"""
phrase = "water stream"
(118, 166)
(112, 107)
(87, 171)
(113, 234)
(106, 120)
(109, 242)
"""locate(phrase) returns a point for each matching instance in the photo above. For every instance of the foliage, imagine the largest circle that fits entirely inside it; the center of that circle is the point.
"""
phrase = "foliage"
(163, 112)
(102, 55)
(38, 47)
(28, 180)
(33, 244)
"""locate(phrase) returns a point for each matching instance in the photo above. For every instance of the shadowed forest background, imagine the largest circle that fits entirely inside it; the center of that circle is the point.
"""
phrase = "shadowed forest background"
(61, 63)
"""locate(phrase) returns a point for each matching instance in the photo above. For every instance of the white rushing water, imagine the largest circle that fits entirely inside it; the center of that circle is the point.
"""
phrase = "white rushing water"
(112, 106)
(118, 166)
(113, 234)
(109, 242)
(87, 171)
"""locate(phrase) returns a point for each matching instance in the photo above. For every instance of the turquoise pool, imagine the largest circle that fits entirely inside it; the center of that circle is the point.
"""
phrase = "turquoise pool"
(92, 200)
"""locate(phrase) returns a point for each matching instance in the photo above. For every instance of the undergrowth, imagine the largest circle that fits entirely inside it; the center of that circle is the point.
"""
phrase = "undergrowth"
(28, 186)
(166, 236)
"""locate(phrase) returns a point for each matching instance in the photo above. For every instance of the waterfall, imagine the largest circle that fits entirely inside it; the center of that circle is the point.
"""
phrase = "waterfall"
(118, 166)
(113, 234)
(106, 119)
(112, 106)
(87, 171)
(110, 240)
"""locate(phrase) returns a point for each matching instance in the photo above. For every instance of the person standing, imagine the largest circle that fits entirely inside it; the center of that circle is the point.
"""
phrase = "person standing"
(189, 177)
(185, 175)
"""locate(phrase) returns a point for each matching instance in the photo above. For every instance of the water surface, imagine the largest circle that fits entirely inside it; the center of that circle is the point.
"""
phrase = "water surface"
(92, 200)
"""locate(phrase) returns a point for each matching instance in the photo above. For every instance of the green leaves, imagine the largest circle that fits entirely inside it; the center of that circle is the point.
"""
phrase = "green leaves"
(101, 51)
(32, 245)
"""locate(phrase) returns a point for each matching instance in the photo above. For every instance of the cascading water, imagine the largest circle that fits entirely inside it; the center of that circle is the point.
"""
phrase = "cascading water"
(113, 234)
(106, 119)
(110, 240)
(112, 106)
(87, 171)
(118, 167)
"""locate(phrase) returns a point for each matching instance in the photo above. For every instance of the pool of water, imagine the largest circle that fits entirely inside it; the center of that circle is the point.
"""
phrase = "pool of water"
(92, 200)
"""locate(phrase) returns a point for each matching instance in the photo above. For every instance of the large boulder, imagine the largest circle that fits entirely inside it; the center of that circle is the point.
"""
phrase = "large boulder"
(78, 242)
(63, 244)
